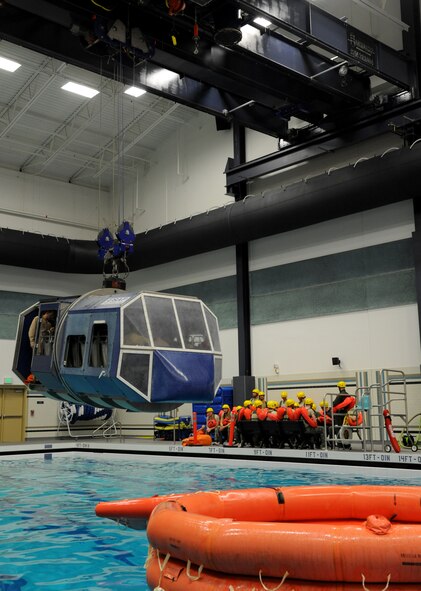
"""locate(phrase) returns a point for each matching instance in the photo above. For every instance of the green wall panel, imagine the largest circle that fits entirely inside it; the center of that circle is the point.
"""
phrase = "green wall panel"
(391, 289)
(367, 278)
(363, 262)
(11, 305)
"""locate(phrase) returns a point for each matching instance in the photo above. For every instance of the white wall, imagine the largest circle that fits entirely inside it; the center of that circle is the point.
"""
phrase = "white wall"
(386, 338)
(37, 204)
(187, 178)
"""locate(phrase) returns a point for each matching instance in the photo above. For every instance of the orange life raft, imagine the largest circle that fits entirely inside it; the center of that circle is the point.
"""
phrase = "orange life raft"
(322, 533)
(176, 575)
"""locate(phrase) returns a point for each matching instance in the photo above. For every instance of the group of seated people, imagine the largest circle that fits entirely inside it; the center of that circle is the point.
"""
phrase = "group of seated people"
(296, 424)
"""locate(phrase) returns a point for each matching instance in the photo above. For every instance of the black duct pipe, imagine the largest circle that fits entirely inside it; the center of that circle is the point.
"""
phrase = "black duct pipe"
(366, 185)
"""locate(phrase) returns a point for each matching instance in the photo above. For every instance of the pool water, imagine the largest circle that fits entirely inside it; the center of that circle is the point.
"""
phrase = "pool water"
(51, 539)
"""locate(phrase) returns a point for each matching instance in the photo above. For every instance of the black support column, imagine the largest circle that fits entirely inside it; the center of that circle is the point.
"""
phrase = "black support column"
(410, 14)
(416, 237)
(245, 382)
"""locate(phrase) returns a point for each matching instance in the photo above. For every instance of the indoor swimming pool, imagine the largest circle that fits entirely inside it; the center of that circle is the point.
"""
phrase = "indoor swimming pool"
(52, 541)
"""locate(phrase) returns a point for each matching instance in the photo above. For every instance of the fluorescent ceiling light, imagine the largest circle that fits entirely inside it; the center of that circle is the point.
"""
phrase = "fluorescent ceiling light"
(8, 65)
(80, 89)
(134, 91)
(163, 76)
(263, 22)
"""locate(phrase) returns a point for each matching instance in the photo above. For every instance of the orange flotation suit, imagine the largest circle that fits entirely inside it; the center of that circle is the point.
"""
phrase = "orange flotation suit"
(322, 417)
(281, 412)
(347, 404)
(292, 415)
(245, 414)
(202, 439)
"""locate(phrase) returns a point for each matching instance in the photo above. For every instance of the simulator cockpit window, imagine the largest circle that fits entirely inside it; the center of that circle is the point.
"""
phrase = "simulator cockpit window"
(193, 325)
(135, 330)
(213, 329)
(135, 370)
(163, 323)
(75, 350)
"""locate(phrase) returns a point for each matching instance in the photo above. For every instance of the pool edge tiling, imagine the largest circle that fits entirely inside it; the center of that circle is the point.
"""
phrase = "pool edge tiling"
(379, 459)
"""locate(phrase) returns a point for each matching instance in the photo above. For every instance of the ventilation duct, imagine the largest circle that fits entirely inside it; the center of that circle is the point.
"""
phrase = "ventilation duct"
(369, 184)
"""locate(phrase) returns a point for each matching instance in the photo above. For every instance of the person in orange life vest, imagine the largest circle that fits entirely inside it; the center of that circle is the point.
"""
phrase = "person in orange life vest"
(256, 411)
(222, 430)
(314, 433)
(236, 412)
(244, 413)
(291, 413)
(284, 397)
(280, 411)
(272, 411)
(323, 413)
(308, 414)
(262, 399)
(256, 415)
(211, 421)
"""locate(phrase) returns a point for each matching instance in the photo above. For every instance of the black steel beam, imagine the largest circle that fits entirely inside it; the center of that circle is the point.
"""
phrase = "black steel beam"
(267, 69)
(52, 39)
(311, 69)
(262, 62)
(322, 29)
(386, 121)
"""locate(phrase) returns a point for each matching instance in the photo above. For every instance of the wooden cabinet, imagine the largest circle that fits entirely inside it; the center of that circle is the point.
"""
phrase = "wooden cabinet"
(12, 414)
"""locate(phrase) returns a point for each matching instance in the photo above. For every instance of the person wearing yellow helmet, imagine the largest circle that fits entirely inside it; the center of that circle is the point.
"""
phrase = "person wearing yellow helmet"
(248, 428)
(224, 422)
(272, 410)
(257, 409)
(262, 399)
(244, 413)
(212, 422)
(291, 413)
(254, 395)
(314, 434)
(284, 397)
(323, 413)
(301, 397)
(343, 403)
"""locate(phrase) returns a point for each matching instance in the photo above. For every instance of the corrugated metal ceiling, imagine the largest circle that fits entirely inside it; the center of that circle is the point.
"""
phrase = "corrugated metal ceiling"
(47, 131)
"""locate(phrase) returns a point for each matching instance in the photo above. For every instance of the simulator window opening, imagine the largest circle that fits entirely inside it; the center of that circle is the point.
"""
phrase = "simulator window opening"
(75, 350)
(98, 354)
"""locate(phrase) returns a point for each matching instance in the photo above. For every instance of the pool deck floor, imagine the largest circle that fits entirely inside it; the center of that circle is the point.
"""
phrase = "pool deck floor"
(405, 459)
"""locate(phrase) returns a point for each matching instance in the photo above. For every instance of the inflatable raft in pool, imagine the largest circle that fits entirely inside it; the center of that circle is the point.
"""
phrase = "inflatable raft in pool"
(328, 537)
